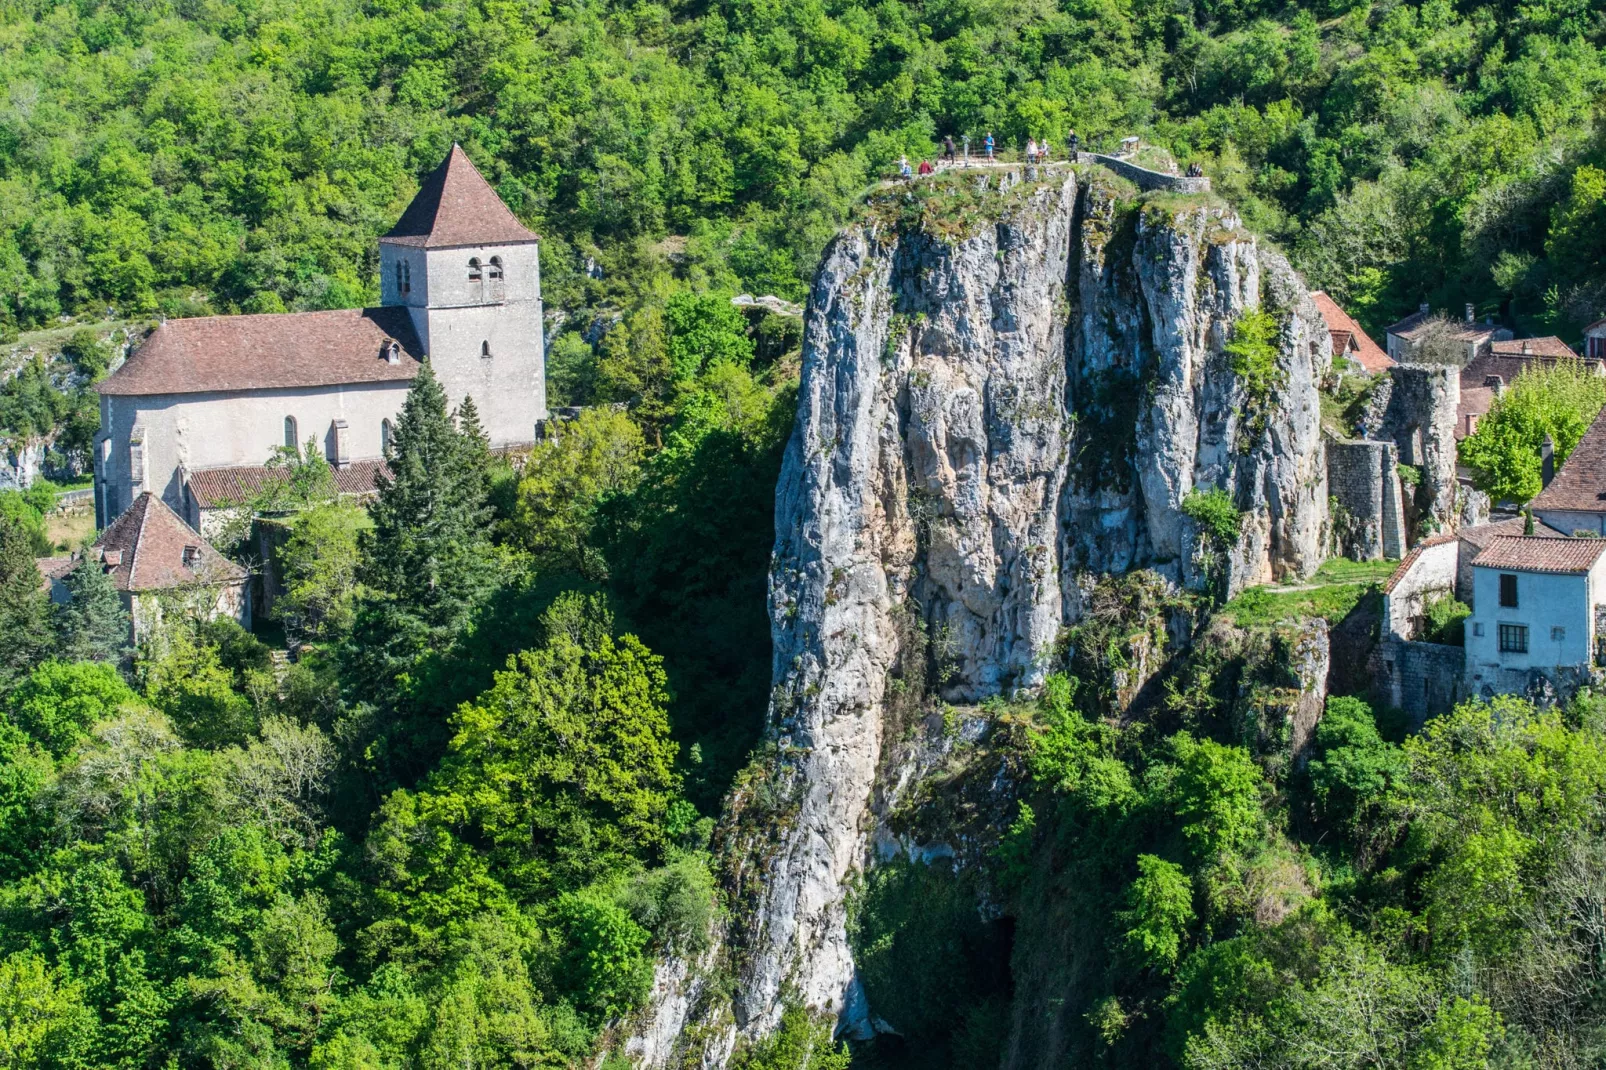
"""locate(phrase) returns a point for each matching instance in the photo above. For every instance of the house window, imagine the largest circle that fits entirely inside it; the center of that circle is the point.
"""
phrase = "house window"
(1558, 634)
(384, 437)
(1508, 592)
(404, 277)
(1513, 639)
(290, 438)
(1477, 627)
(494, 268)
(474, 273)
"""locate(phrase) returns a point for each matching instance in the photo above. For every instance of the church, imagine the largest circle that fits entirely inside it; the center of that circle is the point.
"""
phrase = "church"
(196, 411)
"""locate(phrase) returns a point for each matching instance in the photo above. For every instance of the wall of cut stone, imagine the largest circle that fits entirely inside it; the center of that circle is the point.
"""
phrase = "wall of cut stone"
(1415, 409)
(1423, 679)
(1429, 573)
(1363, 480)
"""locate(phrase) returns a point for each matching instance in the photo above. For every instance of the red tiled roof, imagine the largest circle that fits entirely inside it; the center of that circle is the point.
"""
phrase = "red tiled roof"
(271, 351)
(1481, 535)
(1540, 553)
(219, 488)
(146, 550)
(1474, 401)
(1348, 338)
(456, 206)
(1580, 485)
(1548, 346)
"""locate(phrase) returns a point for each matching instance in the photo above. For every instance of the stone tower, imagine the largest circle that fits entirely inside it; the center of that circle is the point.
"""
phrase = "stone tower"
(469, 274)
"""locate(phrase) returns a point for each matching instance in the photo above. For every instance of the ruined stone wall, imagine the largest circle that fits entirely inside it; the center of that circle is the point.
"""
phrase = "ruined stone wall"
(1423, 679)
(1415, 408)
(1363, 480)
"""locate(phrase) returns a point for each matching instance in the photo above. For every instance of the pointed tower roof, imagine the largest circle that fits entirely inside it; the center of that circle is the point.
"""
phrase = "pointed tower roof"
(456, 207)
(149, 548)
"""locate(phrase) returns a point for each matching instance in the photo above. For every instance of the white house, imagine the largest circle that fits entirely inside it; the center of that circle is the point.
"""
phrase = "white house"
(1538, 605)
(460, 288)
(1595, 340)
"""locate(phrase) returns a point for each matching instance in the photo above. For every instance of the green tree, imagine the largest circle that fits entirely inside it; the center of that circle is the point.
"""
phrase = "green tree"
(319, 563)
(24, 608)
(1353, 768)
(802, 1042)
(1559, 400)
(1217, 796)
(1158, 913)
(92, 624)
(704, 329)
(427, 559)
(60, 701)
(566, 479)
(43, 1020)
(604, 964)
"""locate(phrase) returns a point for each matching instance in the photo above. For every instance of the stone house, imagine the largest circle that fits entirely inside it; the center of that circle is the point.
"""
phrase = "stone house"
(1349, 341)
(1573, 501)
(1487, 377)
(1474, 539)
(460, 288)
(214, 495)
(1422, 678)
(1539, 606)
(1595, 340)
(158, 563)
(1403, 337)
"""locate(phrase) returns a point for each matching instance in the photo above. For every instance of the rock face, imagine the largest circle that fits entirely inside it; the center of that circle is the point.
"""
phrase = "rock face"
(994, 409)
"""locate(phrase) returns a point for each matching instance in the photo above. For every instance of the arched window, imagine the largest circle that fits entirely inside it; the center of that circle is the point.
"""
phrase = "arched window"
(290, 439)
(474, 269)
(384, 437)
(485, 349)
(495, 267)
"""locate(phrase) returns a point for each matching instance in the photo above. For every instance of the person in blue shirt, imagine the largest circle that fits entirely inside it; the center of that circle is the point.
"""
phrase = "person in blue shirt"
(989, 144)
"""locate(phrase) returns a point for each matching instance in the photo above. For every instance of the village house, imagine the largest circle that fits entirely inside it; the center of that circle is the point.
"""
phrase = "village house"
(1404, 337)
(460, 282)
(159, 564)
(1573, 500)
(1349, 341)
(1539, 606)
(1595, 340)
(1487, 377)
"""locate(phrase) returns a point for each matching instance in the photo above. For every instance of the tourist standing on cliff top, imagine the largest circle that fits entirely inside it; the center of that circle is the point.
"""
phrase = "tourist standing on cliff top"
(948, 148)
(989, 144)
(1031, 150)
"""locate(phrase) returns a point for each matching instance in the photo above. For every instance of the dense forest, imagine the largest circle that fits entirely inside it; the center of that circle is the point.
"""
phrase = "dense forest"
(192, 157)
(459, 828)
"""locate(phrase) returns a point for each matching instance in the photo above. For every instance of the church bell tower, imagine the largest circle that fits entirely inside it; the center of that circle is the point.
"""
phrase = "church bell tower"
(469, 274)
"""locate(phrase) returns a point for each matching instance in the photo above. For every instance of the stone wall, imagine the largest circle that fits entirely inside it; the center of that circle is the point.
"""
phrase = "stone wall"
(1144, 178)
(1363, 480)
(1423, 679)
(1415, 408)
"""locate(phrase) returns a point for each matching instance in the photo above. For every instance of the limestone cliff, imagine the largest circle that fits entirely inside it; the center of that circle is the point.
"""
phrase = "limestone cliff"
(1006, 391)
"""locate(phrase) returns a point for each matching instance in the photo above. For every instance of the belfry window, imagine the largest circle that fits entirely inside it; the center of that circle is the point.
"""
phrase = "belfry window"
(494, 269)
(290, 440)
(404, 277)
(485, 349)
(474, 273)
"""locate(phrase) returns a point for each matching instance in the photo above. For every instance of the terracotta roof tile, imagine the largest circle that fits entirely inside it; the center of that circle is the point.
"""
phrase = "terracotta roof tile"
(1540, 553)
(1348, 338)
(1481, 535)
(455, 206)
(265, 352)
(215, 488)
(149, 548)
(1474, 401)
(1580, 486)
(1548, 346)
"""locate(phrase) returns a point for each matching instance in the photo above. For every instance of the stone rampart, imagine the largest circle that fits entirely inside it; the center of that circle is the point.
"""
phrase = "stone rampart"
(1423, 679)
(1144, 178)
(1363, 479)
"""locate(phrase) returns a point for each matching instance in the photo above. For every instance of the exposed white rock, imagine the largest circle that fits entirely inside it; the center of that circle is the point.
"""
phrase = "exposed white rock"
(983, 425)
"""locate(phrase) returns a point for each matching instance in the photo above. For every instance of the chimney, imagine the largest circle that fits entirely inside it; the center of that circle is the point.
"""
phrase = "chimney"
(1526, 346)
(1547, 462)
(1495, 383)
(339, 444)
(1471, 316)
(1472, 422)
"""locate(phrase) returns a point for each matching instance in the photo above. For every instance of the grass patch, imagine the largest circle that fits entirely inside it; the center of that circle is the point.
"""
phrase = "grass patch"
(1330, 594)
(67, 531)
